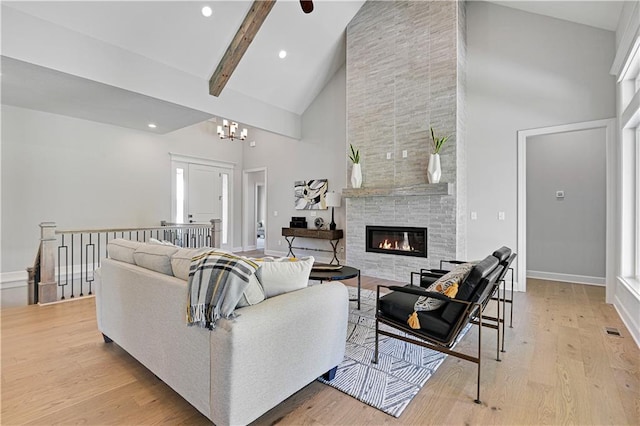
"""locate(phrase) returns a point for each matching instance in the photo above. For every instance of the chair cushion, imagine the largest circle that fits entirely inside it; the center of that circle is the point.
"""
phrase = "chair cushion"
(468, 287)
(502, 254)
(398, 306)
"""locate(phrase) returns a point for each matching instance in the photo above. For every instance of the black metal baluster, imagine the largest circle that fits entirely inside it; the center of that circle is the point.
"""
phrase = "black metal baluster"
(81, 264)
(64, 248)
(72, 266)
(93, 262)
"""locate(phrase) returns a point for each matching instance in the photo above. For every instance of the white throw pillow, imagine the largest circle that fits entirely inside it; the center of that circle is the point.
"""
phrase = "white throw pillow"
(279, 276)
(155, 257)
(122, 250)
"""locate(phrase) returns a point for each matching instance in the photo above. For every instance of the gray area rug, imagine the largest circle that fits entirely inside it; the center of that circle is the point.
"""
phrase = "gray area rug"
(402, 369)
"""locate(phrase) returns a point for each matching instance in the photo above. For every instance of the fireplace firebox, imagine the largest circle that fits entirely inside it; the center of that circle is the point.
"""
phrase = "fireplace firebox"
(399, 240)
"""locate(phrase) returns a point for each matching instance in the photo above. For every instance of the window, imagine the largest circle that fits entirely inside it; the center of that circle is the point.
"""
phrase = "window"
(179, 195)
(225, 206)
(629, 81)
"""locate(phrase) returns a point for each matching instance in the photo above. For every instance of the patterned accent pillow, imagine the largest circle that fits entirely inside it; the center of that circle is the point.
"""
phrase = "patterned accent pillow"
(447, 284)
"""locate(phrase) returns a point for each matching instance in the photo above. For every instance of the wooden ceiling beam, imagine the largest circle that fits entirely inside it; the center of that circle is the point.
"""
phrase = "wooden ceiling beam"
(239, 45)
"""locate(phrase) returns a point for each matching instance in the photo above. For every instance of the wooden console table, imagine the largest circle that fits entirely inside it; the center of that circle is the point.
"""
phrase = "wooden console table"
(334, 238)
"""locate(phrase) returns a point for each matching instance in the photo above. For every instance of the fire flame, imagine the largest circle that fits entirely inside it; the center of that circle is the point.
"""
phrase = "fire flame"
(394, 245)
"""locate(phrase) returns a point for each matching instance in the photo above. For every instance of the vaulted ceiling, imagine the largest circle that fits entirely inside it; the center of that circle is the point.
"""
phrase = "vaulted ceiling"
(111, 61)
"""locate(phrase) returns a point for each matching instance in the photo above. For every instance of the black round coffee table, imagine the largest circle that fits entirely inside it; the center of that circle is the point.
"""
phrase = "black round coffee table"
(344, 273)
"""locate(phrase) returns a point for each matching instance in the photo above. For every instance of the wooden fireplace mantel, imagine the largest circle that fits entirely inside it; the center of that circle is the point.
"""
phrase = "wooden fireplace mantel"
(425, 189)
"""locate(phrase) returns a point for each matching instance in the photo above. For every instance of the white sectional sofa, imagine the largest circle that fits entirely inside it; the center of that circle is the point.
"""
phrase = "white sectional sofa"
(241, 369)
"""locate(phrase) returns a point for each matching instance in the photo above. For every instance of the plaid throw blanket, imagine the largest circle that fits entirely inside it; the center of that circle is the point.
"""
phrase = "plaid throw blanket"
(216, 283)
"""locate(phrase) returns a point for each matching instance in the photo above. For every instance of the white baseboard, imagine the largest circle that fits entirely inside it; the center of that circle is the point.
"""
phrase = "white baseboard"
(627, 299)
(13, 279)
(578, 279)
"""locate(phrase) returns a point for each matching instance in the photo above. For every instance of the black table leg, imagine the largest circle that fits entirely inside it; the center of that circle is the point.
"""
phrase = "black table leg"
(290, 246)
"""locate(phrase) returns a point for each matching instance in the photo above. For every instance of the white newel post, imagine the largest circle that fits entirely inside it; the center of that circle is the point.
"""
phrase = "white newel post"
(47, 287)
(215, 232)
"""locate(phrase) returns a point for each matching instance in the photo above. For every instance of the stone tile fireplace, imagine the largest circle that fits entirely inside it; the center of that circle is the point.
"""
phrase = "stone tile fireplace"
(405, 73)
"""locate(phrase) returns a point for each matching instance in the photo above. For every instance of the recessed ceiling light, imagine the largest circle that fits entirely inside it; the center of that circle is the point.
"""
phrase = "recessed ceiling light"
(152, 125)
(206, 11)
(282, 54)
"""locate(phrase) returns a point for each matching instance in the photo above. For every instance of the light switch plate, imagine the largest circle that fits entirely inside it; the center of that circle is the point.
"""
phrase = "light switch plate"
(404, 153)
(559, 194)
(388, 156)
(474, 215)
(500, 215)
(275, 213)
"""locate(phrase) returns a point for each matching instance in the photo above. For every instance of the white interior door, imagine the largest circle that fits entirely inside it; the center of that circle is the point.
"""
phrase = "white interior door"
(204, 194)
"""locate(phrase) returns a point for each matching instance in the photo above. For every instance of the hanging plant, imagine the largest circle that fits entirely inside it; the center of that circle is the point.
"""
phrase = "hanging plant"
(355, 155)
(437, 142)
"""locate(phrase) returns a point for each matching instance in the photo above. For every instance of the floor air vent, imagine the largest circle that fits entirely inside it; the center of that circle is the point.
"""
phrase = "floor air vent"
(612, 331)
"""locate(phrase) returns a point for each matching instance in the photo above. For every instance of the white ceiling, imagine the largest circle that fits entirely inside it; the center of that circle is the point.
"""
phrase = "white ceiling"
(174, 33)
(599, 14)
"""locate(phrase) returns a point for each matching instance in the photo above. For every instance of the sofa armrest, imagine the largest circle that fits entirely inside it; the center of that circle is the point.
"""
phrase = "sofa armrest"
(275, 348)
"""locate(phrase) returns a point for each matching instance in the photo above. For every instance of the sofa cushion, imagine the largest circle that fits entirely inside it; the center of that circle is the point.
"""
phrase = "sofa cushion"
(445, 284)
(155, 257)
(283, 275)
(181, 264)
(122, 250)
(181, 261)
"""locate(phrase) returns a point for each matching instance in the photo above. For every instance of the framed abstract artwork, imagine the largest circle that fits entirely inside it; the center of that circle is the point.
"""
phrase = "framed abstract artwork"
(309, 194)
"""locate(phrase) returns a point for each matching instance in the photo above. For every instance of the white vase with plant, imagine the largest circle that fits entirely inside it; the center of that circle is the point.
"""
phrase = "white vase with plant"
(434, 172)
(356, 171)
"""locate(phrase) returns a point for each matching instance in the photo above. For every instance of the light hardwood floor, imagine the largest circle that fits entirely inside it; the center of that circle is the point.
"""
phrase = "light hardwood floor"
(560, 368)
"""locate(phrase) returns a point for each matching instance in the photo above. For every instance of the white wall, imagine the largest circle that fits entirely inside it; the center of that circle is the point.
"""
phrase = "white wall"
(524, 71)
(320, 154)
(82, 174)
(566, 236)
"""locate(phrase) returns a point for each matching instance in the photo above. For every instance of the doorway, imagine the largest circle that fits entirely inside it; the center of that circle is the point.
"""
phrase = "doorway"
(255, 226)
(606, 129)
(201, 191)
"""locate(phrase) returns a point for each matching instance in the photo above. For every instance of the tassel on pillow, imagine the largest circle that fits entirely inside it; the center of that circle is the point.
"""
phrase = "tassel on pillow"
(413, 321)
(451, 291)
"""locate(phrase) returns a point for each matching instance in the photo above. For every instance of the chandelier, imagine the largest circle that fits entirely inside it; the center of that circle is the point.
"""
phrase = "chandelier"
(231, 131)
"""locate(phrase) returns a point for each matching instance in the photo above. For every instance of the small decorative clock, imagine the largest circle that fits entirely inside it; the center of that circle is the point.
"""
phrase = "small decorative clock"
(319, 222)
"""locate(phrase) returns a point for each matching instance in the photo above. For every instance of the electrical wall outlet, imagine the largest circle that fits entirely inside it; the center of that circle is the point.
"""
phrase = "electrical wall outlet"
(474, 215)
(275, 213)
(559, 194)
(500, 215)
(313, 214)
(404, 153)
(388, 156)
